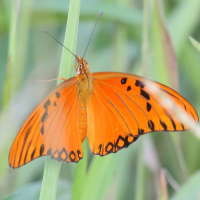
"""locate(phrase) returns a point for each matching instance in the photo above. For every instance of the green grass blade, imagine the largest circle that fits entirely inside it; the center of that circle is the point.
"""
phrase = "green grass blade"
(165, 60)
(120, 47)
(80, 175)
(50, 179)
(99, 178)
(146, 68)
(140, 187)
(18, 25)
(195, 43)
(166, 65)
(19, 44)
(52, 167)
(67, 60)
(146, 42)
(190, 190)
(183, 19)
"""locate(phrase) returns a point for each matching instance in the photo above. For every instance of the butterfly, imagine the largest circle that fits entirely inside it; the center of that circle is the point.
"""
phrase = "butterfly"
(112, 109)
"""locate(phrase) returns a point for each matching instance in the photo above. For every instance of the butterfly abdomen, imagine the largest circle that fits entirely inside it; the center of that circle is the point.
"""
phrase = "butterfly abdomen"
(82, 121)
(84, 92)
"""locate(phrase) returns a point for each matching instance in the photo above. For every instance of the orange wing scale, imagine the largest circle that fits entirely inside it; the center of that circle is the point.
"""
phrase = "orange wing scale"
(123, 108)
(51, 129)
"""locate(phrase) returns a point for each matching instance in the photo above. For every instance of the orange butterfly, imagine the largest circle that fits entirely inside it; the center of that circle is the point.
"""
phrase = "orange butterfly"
(112, 109)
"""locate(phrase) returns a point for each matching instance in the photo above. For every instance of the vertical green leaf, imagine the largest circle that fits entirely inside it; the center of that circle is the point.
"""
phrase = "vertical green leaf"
(18, 46)
(183, 19)
(166, 65)
(18, 25)
(140, 188)
(190, 189)
(99, 177)
(195, 43)
(146, 40)
(52, 167)
(120, 43)
(164, 56)
(79, 179)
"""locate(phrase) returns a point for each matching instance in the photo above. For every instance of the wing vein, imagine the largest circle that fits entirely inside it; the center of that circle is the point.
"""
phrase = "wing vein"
(128, 109)
(138, 106)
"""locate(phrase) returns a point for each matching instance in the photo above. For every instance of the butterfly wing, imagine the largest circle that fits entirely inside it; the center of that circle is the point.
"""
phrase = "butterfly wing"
(122, 108)
(51, 129)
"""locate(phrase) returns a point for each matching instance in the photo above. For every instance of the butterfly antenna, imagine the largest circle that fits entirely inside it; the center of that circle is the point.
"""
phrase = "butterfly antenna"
(101, 13)
(58, 42)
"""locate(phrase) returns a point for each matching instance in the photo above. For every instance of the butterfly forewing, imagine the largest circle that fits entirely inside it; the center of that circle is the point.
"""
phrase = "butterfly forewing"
(51, 129)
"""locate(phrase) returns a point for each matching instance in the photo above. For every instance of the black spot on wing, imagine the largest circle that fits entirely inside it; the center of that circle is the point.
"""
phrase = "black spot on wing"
(47, 103)
(139, 83)
(32, 155)
(171, 119)
(72, 156)
(55, 104)
(41, 149)
(144, 94)
(79, 153)
(129, 88)
(140, 131)
(182, 125)
(100, 148)
(148, 106)
(163, 125)
(57, 94)
(151, 125)
(49, 152)
(44, 116)
(120, 139)
(42, 129)
(109, 148)
(123, 81)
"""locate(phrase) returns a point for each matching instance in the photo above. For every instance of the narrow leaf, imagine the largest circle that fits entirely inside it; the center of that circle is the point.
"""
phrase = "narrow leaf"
(165, 60)
(195, 43)
(190, 190)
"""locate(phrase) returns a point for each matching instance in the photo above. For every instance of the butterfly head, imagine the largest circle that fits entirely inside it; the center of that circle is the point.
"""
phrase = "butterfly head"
(81, 66)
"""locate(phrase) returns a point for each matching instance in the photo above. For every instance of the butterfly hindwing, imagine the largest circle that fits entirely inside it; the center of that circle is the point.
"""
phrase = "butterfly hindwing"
(105, 134)
(123, 108)
(51, 129)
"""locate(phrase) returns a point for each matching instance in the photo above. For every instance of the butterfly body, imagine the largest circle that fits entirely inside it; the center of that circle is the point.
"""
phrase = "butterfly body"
(112, 109)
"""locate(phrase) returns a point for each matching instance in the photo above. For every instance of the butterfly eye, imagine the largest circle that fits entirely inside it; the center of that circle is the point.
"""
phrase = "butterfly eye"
(76, 66)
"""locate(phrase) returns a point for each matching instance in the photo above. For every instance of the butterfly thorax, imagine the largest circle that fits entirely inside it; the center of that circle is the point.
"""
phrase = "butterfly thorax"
(85, 84)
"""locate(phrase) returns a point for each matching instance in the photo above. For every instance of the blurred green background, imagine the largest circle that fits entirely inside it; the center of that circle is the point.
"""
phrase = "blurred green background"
(131, 36)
